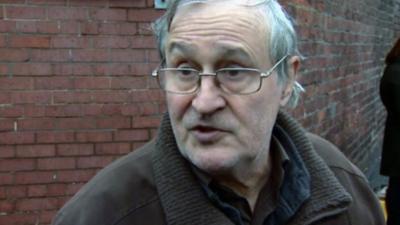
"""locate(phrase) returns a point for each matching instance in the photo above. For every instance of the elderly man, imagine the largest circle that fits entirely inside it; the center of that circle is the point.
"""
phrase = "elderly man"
(225, 153)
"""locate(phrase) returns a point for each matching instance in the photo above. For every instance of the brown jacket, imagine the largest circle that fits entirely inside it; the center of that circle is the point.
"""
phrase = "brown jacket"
(154, 185)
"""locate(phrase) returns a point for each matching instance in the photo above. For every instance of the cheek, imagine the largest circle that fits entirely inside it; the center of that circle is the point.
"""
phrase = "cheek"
(177, 106)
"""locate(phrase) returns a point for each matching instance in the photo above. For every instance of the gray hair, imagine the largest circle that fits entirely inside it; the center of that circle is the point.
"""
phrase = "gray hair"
(282, 36)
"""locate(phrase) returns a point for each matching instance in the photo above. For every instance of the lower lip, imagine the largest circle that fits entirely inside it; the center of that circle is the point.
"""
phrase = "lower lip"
(206, 136)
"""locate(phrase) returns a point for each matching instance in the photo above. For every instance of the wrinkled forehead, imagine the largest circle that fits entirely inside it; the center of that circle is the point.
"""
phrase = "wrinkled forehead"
(248, 3)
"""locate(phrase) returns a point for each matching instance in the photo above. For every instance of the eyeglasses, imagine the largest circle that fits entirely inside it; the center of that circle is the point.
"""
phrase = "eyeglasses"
(240, 81)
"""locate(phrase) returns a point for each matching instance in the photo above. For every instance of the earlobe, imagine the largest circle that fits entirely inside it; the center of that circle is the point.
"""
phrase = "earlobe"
(293, 67)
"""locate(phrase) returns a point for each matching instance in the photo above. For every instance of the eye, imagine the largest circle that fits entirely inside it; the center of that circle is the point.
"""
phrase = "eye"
(186, 72)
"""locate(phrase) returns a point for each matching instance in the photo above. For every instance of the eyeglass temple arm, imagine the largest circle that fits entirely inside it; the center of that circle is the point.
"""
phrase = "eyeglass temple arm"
(268, 72)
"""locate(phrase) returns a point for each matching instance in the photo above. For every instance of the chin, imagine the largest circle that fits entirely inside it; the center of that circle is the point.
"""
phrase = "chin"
(214, 163)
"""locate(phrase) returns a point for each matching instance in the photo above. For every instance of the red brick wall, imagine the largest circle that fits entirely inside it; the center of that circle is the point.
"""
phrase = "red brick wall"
(75, 93)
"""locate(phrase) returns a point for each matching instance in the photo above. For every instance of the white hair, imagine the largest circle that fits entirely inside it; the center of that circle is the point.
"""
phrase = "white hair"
(282, 36)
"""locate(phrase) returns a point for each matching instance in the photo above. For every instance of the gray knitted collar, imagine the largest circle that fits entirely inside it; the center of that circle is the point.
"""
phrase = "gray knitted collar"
(184, 202)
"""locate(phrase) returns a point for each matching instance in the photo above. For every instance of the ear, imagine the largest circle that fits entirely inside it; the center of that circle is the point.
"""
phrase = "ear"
(293, 68)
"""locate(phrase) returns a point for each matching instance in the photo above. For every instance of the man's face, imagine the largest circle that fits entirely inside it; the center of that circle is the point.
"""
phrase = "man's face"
(219, 132)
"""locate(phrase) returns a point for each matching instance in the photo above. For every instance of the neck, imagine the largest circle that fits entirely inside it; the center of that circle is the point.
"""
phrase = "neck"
(247, 183)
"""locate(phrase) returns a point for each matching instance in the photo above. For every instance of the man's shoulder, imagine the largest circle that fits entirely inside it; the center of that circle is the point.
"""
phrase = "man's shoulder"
(332, 156)
(115, 192)
(364, 208)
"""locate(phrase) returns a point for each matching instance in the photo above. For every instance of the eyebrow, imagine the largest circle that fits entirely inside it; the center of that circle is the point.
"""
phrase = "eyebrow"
(228, 51)
(182, 47)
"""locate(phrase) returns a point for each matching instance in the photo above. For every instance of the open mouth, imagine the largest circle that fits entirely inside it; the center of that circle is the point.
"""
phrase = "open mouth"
(206, 134)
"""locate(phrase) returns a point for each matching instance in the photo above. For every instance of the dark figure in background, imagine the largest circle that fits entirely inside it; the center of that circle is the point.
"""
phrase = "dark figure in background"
(390, 166)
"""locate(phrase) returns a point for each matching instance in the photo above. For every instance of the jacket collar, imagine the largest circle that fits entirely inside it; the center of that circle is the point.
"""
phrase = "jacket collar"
(184, 202)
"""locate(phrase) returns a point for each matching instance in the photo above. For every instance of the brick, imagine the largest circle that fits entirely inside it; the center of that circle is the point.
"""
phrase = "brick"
(55, 137)
(37, 191)
(72, 97)
(119, 28)
(111, 109)
(131, 135)
(17, 164)
(143, 69)
(10, 138)
(111, 42)
(7, 151)
(50, 55)
(138, 42)
(14, 12)
(31, 97)
(26, 26)
(74, 149)
(17, 191)
(36, 124)
(37, 204)
(143, 15)
(152, 56)
(92, 83)
(111, 96)
(4, 69)
(76, 123)
(34, 111)
(11, 111)
(146, 122)
(53, 83)
(56, 189)
(94, 136)
(97, 3)
(115, 122)
(46, 217)
(69, 27)
(76, 175)
(112, 148)
(56, 163)
(47, 2)
(32, 69)
(73, 188)
(29, 41)
(6, 206)
(72, 110)
(147, 95)
(6, 178)
(16, 83)
(94, 161)
(19, 218)
(80, 69)
(129, 83)
(2, 41)
(13, 55)
(7, 26)
(122, 55)
(90, 55)
(108, 14)
(6, 125)
(3, 193)
(112, 69)
(89, 28)
(36, 177)
(127, 4)
(68, 13)
(35, 151)
(69, 42)
(129, 110)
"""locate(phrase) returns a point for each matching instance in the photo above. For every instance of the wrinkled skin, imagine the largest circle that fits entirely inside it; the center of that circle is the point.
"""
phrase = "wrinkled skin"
(226, 136)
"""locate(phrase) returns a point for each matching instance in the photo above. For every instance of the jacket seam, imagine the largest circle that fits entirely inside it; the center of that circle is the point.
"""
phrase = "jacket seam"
(132, 210)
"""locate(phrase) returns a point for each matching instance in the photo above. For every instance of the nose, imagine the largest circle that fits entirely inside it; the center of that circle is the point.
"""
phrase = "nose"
(209, 98)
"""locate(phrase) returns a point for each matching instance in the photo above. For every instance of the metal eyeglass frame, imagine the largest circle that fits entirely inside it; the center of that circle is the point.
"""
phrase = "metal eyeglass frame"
(199, 74)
